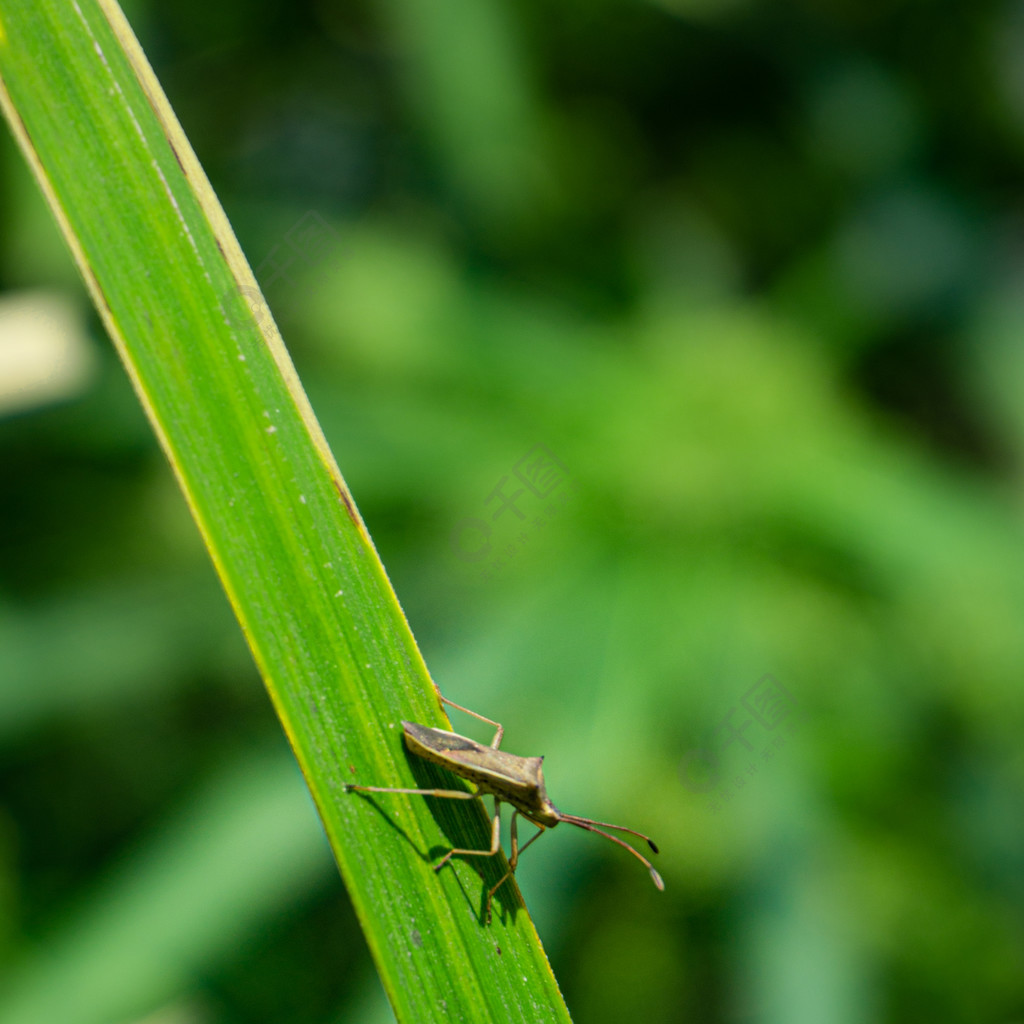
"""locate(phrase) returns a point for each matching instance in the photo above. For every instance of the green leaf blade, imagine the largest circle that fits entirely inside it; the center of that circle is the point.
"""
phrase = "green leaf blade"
(301, 572)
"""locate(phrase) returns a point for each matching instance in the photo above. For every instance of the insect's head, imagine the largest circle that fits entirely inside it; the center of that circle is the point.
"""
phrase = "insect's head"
(599, 826)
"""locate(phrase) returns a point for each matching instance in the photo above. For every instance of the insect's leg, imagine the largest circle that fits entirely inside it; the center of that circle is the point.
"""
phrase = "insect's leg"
(448, 794)
(489, 721)
(535, 836)
(495, 841)
(513, 859)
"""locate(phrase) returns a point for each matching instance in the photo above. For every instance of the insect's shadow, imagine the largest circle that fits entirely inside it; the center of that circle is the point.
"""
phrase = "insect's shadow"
(464, 828)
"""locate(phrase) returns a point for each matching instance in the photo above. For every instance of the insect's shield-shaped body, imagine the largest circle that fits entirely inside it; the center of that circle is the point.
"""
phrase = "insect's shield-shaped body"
(516, 780)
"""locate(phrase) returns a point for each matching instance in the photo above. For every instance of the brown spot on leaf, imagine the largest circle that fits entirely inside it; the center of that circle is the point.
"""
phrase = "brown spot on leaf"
(177, 157)
(347, 500)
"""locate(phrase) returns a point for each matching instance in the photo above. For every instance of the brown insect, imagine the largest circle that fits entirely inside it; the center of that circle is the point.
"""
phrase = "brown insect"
(508, 778)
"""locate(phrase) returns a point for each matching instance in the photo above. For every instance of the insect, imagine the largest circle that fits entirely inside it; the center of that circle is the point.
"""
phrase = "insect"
(509, 778)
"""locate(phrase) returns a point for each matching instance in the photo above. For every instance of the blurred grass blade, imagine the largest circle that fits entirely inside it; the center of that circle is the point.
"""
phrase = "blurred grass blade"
(210, 873)
(328, 635)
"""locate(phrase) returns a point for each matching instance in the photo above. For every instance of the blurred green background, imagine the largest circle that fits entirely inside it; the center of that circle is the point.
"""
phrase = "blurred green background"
(749, 274)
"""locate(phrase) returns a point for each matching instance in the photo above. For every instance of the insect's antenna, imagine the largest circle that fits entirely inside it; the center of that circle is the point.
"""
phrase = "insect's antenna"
(592, 826)
(577, 820)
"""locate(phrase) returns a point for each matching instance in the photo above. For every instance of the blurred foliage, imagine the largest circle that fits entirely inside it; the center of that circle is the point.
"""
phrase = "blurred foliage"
(751, 273)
